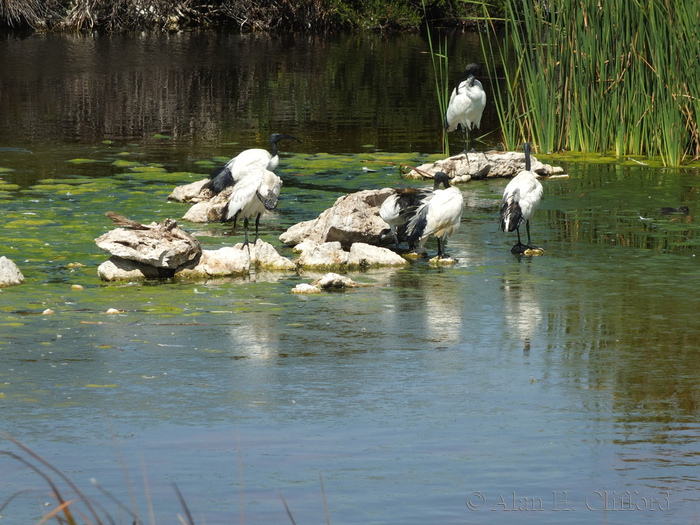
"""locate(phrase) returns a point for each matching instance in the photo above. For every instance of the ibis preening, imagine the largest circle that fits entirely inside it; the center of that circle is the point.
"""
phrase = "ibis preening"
(466, 106)
(520, 199)
(256, 191)
(238, 166)
(439, 215)
(398, 209)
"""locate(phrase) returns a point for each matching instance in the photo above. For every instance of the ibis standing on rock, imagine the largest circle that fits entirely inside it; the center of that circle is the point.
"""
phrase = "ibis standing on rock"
(520, 199)
(439, 215)
(257, 190)
(237, 167)
(466, 106)
(398, 209)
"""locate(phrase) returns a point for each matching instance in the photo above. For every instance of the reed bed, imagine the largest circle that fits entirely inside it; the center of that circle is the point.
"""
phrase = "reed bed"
(441, 73)
(587, 76)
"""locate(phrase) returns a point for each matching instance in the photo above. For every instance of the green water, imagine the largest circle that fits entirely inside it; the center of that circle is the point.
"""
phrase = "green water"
(498, 390)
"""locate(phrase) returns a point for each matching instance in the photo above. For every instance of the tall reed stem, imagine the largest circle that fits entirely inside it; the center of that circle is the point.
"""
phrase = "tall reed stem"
(606, 77)
(442, 80)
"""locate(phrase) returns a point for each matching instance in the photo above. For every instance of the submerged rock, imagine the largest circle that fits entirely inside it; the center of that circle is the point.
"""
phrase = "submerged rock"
(353, 218)
(305, 289)
(335, 281)
(329, 281)
(10, 274)
(464, 167)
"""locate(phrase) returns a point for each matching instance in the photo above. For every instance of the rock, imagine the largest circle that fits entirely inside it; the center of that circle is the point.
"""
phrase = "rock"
(325, 255)
(207, 207)
(112, 311)
(10, 274)
(534, 252)
(263, 255)
(209, 210)
(163, 245)
(335, 281)
(329, 281)
(118, 269)
(194, 192)
(218, 263)
(330, 255)
(237, 260)
(353, 218)
(368, 256)
(305, 288)
(442, 261)
(481, 166)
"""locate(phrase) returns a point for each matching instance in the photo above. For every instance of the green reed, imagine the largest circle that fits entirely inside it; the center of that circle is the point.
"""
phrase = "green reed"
(441, 74)
(616, 77)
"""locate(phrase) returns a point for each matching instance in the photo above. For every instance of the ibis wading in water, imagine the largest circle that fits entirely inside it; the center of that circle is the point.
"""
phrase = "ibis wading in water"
(466, 106)
(398, 209)
(520, 199)
(257, 190)
(238, 166)
(439, 215)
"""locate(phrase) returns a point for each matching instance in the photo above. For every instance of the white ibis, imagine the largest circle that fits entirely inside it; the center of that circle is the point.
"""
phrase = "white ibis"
(520, 199)
(439, 215)
(399, 207)
(466, 106)
(257, 190)
(237, 167)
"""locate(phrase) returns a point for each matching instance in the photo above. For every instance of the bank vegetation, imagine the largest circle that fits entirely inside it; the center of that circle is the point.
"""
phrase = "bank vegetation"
(249, 15)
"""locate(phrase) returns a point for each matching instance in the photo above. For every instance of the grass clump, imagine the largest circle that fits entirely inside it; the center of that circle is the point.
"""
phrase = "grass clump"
(599, 77)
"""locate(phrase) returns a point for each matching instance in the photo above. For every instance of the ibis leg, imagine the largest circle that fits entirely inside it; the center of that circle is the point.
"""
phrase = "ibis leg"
(257, 223)
(245, 227)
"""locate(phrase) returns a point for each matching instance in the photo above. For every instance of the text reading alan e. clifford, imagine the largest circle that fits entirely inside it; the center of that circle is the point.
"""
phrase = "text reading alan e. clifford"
(566, 501)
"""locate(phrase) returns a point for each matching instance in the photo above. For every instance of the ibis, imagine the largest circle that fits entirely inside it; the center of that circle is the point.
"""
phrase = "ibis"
(237, 167)
(520, 200)
(398, 209)
(466, 106)
(439, 215)
(256, 191)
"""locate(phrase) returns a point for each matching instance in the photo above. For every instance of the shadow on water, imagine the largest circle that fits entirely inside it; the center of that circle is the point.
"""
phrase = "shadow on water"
(435, 394)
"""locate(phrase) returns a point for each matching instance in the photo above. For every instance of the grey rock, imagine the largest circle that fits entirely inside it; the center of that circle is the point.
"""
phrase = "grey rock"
(331, 256)
(163, 245)
(10, 274)
(194, 192)
(353, 218)
(461, 168)
(218, 263)
(118, 269)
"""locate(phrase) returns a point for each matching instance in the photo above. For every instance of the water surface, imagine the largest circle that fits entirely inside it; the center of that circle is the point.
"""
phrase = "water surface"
(500, 390)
